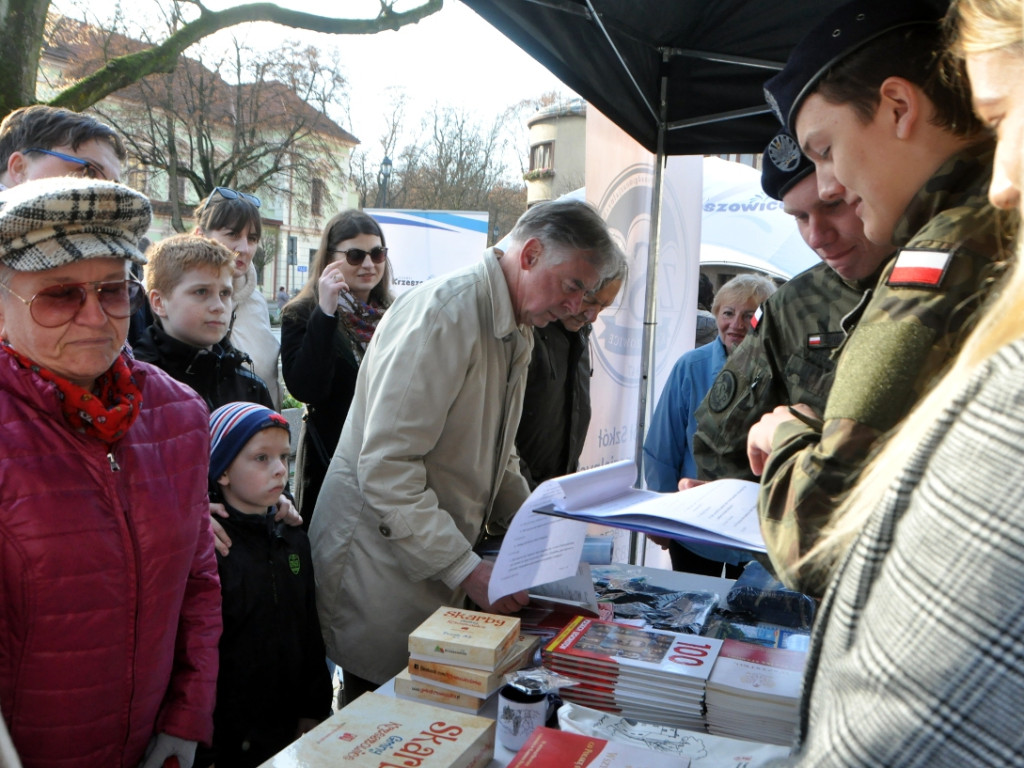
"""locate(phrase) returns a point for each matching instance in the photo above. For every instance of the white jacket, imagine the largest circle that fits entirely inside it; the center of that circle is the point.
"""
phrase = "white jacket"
(426, 458)
(250, 332)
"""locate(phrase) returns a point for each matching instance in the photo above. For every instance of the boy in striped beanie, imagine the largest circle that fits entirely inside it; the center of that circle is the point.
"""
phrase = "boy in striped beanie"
(273, 684)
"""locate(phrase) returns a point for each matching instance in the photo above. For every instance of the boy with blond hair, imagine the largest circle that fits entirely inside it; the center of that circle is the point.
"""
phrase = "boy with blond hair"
(188, 280)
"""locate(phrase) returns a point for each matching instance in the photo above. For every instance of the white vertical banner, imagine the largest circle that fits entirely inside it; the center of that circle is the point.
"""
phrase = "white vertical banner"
(678, 265)
(620, 184)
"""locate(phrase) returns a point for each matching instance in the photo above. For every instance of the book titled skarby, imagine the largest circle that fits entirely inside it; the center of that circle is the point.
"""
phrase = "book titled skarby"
(467, 638)
(406, 687)
(377, 731)
(551, 748)
(474, 682)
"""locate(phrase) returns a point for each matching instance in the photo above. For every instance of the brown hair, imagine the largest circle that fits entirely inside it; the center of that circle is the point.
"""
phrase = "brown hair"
(345, 226)
(170, 259)
(231, 214)
(48, 127)
(915, 54)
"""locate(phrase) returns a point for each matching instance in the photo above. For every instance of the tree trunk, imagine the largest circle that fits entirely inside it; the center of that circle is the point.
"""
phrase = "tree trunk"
(22, 23)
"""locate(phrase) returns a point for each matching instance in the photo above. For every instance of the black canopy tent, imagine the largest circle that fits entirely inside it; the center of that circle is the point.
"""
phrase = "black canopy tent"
(682, 77)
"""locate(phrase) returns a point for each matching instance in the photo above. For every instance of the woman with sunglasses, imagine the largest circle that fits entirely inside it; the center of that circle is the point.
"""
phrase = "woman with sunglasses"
(109, 598)
(324, 333)
(232, 218)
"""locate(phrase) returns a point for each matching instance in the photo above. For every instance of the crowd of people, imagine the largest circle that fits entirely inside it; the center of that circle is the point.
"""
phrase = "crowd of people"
(166, 592)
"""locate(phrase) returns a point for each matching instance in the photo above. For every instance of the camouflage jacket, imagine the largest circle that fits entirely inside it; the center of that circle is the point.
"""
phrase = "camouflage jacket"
(789, 357)
(951, 242)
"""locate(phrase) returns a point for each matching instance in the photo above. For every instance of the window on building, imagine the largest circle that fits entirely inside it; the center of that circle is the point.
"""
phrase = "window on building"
(316, 197)
(542, 156)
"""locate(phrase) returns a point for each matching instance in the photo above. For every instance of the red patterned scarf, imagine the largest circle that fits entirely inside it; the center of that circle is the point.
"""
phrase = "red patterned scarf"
(106, 413)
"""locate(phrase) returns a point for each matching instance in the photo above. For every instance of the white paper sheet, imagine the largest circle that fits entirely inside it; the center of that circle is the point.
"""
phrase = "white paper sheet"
(537, 548)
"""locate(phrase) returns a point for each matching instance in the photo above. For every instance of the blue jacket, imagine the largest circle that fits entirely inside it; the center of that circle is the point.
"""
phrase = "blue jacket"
(668, 447)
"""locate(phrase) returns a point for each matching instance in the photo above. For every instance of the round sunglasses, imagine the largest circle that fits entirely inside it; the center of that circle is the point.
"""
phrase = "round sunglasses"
(56, 305)
(356, 256)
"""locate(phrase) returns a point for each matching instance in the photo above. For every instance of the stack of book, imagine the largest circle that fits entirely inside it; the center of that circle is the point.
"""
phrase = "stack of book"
(645, 674)
(754, 692)
(377, 730)
(458, 658)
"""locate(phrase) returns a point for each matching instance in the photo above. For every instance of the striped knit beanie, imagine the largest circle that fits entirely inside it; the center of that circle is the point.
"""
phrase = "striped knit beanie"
(232, 426)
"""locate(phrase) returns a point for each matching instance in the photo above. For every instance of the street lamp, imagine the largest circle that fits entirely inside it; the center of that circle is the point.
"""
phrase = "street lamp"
(383, 177)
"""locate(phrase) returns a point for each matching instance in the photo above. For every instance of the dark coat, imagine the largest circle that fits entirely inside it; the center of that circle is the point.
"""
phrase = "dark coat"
(220, 375)
(319, 370)
(556, 406)
(273, 667)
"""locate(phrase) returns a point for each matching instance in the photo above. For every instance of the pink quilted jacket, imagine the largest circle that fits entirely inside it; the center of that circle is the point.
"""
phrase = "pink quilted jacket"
(109, 597)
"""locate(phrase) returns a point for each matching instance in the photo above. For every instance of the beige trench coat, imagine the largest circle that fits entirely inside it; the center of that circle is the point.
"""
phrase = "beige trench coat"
(426, 458)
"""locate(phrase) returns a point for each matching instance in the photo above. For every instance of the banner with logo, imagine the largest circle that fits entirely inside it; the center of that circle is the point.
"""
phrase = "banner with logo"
(425, 244)
(620, 183)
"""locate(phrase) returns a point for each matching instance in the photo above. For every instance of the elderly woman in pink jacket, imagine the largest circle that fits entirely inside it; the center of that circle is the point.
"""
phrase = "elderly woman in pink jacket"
(109, 597)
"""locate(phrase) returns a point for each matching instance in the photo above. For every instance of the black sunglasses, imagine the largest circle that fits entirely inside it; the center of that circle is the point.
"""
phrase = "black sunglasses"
(356, 256)
(230, 194)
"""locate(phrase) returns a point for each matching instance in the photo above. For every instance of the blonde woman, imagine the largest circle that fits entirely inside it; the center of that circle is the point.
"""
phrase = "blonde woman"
(917, 655)
(668, 447)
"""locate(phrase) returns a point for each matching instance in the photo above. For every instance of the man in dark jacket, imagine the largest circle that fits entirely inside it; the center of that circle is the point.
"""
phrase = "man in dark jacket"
(556, 405)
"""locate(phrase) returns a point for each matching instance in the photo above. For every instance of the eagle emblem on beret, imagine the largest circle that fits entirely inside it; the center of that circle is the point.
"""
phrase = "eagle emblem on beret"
(784, 153)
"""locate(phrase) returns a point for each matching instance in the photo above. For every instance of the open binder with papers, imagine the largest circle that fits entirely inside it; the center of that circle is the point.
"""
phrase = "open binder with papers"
(545, 539)
(723, 512)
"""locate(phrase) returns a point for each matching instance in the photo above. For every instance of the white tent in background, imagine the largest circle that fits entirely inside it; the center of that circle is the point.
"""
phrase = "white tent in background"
(742, 228)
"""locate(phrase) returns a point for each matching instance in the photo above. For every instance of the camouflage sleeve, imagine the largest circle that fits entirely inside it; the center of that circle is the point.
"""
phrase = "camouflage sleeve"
(809, 472)
(905, 338)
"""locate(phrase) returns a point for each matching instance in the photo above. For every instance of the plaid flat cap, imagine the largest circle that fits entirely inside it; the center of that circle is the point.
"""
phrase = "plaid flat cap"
(48, 223)
(846, 29)
(783, 165)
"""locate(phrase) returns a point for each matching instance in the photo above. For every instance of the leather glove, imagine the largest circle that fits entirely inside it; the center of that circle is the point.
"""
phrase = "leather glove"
(163, 747)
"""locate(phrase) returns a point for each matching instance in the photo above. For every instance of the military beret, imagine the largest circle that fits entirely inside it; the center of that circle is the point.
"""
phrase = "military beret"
(846, 29)
(783, 165)
(48, 223)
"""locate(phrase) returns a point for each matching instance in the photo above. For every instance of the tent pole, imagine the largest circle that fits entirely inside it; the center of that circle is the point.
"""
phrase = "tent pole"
(638, 542)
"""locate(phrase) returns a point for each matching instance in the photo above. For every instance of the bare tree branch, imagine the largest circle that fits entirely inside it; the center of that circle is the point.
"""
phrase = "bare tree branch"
(163, 58)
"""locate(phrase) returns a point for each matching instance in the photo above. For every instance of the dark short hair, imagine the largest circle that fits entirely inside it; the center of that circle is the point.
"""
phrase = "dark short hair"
(916, 54)
(48, 127)
(231, 214)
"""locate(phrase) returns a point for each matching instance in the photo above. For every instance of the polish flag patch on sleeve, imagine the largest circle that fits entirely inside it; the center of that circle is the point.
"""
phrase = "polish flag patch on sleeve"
(920, 268)
(756, 319)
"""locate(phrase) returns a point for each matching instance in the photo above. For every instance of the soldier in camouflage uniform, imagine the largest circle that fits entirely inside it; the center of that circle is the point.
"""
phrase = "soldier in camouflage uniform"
(790, 356)
(903, 146)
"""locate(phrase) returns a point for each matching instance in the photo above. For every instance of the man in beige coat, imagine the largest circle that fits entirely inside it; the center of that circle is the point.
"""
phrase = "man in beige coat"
(426, 463)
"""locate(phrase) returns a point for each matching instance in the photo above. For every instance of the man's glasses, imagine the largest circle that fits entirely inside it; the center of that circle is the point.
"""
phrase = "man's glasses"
(356, 256)
(230, 194)
(87, 168)
(56, 305)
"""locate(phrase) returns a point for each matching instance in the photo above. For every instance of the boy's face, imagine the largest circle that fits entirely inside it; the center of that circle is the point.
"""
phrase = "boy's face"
(257, 476)
(198, 310)
(865, 164)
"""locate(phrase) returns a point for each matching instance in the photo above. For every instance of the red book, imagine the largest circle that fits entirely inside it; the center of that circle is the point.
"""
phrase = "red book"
(548, 747)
